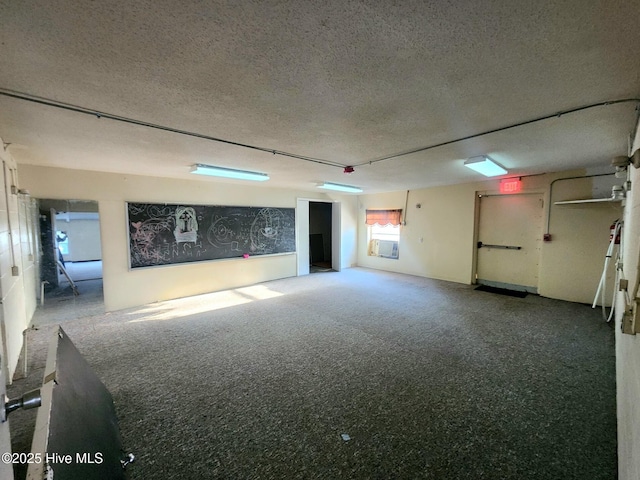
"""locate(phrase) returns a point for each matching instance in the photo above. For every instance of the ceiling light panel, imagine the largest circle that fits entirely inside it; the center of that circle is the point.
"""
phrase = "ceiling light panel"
(210, 170)
(339, 187)
(485, 165)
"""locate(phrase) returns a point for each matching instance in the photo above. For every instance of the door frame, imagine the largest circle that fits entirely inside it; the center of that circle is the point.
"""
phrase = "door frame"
(476, 224)
(302, 232)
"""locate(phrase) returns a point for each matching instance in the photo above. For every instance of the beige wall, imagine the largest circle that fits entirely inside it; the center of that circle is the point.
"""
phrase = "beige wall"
(445, 224)
(571, 264)
(439, 238)
(348, 232)
(628, 346)
(122, 287)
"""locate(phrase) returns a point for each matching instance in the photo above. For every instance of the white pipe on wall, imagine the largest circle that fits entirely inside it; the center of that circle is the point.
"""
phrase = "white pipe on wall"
(603, 279)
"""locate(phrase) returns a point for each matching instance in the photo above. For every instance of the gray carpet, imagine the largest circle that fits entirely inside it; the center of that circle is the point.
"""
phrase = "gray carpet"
(428, 379)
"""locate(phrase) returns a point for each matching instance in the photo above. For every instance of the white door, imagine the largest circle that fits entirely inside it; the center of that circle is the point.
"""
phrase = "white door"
(509, 239)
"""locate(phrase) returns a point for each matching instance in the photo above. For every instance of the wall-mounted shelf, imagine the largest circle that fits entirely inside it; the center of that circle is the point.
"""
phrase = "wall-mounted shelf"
(617, 195)
(590, 200)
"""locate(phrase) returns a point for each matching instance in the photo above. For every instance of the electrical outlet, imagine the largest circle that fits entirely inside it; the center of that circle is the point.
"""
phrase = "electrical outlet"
(15, 271)
(635, 158)
(629, 325)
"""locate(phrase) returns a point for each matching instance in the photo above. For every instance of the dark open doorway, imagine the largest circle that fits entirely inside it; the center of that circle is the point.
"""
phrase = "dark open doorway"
(320, 254)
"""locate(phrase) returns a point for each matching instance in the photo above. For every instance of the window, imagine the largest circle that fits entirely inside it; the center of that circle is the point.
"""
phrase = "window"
(383, 233)
(63, 242)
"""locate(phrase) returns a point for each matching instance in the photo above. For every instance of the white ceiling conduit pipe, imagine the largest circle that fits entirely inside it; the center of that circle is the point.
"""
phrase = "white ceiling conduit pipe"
(603, 278)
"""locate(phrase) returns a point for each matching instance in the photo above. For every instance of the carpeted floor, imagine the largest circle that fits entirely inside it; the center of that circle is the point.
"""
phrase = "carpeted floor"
(427, 379)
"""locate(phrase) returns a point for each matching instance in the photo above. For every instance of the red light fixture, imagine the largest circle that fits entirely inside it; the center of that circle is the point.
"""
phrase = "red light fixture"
(349, 170)
(510, 185)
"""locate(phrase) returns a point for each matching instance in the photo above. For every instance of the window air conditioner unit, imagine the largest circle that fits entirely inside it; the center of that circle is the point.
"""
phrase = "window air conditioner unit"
(385, 248)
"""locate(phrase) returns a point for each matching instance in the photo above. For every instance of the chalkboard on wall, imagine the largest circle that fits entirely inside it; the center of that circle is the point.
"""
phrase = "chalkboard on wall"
(163, 234)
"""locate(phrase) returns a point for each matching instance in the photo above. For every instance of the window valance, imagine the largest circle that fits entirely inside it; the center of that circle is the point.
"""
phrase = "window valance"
(383, 217)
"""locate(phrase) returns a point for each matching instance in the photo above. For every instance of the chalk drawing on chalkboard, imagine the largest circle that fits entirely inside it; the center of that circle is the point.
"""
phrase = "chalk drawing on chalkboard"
(135, 209)
(159, 211)
(223, 231)
(266, 229)
(186, 225)
(162, 234)
(143, 248)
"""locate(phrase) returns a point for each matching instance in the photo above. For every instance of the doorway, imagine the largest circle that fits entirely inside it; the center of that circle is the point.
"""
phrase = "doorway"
(509, 240)
(71, 260)
(317, 236)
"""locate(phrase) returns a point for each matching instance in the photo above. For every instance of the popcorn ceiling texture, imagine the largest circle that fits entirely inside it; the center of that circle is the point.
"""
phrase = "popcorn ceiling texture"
(343, 81)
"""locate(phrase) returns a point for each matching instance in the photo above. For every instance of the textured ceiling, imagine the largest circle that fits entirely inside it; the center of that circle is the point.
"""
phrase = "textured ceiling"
(339, 82)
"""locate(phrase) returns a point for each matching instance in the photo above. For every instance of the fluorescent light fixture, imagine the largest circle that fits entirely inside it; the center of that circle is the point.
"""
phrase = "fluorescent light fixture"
(201, 169)
(484, 165)
(340, 188)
